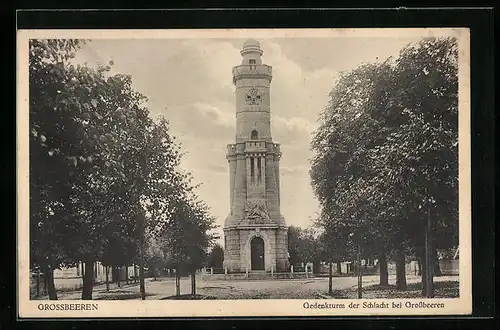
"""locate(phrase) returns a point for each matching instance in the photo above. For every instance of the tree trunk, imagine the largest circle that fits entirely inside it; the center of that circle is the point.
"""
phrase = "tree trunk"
(316, 266)
(38, 284)
(339, 267)
(83, 270)
(429, 260)
(141, 229)
(193, 283)
(107, 278)
(419, 265)
(135, 273)
(45, 285)
(423, 271)
(384, 273)
(142, 285)
(360, 273)
(88, 281)
(126, 274)
(119, 276)
(177, 283)
(153, 269)
(429, 255)
(49, 280)
(400, 270)
(437, 269)
(330, 280)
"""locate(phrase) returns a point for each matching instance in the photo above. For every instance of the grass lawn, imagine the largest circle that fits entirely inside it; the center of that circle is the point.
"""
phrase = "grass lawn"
(188, 297)
(121, 295)
(444, 289)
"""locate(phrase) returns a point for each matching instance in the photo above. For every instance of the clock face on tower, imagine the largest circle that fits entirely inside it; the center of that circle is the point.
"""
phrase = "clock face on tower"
(253, 97)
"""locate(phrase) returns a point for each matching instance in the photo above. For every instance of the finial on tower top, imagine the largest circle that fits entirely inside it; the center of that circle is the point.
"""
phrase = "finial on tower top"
(251, 43)
(251, 46)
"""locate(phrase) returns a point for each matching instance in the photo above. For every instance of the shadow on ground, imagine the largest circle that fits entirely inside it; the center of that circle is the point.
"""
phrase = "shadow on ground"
(444, 289)
(189, 297)
(122, 295)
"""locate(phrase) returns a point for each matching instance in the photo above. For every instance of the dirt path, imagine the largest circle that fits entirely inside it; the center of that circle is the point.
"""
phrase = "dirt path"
(239, 289)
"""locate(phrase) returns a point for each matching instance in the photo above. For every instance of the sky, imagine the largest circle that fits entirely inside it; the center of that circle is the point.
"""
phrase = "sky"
(189, 82)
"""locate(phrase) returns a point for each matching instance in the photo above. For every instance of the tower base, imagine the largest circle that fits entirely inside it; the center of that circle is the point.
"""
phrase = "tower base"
(253, 249)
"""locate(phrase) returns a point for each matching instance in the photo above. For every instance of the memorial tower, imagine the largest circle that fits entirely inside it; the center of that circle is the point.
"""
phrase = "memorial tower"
(255, 233)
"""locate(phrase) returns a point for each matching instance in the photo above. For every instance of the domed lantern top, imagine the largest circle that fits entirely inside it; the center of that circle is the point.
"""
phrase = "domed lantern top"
(251, 43)
(251, 51)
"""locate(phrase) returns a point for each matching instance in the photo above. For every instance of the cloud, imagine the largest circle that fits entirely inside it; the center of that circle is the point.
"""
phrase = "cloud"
(219, 117)
(218, 169)
(196, 123)
(297, 171)
(293, 125)
(189, 82)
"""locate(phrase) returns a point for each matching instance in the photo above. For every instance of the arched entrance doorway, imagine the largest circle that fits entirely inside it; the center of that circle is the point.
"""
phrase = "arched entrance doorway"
(257, 253)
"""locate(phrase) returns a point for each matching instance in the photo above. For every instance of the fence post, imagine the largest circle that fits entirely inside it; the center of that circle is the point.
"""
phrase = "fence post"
(272, 271)
(225, 270)
(246, 271)
(291, 271)
(211, 270)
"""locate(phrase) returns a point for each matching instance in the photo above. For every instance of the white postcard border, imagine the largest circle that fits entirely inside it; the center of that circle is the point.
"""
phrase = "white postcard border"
(214, 308)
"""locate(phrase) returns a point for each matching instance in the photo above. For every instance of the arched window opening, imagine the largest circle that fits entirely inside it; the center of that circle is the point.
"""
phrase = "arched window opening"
(254, 135)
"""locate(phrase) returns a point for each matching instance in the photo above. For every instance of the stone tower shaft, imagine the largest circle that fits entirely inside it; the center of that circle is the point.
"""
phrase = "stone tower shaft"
(253, 166)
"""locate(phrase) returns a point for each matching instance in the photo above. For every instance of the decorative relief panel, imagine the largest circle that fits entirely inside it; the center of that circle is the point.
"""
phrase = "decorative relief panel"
(256, 211)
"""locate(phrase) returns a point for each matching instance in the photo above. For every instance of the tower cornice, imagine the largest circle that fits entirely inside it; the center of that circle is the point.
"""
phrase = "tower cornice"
(252, 71)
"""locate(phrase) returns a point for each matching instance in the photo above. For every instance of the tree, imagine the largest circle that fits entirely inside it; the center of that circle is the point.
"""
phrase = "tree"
(311, 251)
(188, 235)
(386, 153)
(422, 139)
(105, 196)
(50, 146)
(97, 163)
(216, 256)
(154, 255)
(302, 245)
(341, 177)
(294, 244)
(76, 112)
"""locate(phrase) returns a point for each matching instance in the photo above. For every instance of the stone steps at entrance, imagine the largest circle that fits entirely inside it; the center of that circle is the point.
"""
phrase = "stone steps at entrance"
(259, 275)
(256, 275)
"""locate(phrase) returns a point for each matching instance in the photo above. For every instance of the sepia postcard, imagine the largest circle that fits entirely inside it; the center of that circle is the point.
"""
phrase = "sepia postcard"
(245, 172)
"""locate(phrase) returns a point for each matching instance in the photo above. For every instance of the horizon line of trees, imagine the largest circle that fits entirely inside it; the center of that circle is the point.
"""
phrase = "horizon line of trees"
(309, 245)
(105, 178)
